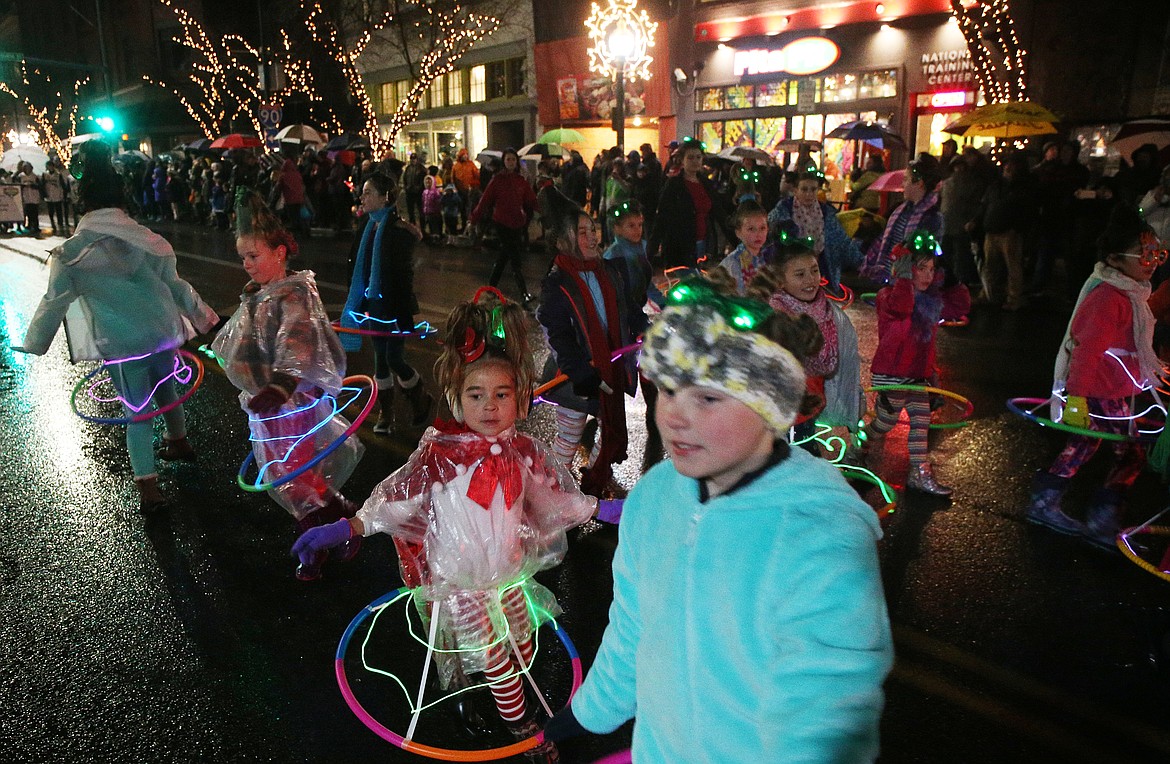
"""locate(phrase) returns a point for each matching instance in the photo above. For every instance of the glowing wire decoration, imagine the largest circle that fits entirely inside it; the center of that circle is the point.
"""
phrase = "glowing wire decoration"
(620, 16)
(188, 369)
(836, 446)
(405, 742)
(1027, 408)
(381, 328)
(1125, 544)
(258, 485)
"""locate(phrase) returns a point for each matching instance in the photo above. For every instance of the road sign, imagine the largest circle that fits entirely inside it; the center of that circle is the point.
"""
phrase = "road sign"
(270, 115)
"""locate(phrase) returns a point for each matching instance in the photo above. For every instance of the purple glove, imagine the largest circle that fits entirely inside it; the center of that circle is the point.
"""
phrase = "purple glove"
(321, 538)
(610, 510)
(269, 398)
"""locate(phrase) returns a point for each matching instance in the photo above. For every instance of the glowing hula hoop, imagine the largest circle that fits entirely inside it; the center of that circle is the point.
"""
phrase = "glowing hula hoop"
(562, 378)
(846, 298)
(445, 754)
(142, 416)
(968, 407)
(1017, 406)
(1127, 550)
(250, 459)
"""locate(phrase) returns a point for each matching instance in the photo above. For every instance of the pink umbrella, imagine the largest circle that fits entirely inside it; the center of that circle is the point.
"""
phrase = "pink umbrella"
(891, 181)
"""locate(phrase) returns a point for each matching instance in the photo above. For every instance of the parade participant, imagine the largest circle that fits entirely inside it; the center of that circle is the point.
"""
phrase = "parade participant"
(811, 217)
(685, 217)
(908, 313)
(511, 201)
(629, 247)
(477, 510)
(792, 284)
(920, 211)
(751, 228)
(748, 621)
(381, 293)
(280, 350)
(432, 205)
(1106, 357)
(587, 315)
(132, 310)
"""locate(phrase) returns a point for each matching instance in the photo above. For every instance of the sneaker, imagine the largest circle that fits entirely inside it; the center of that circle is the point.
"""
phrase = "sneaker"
(384, 425)
(922, 479)
(1054, 519)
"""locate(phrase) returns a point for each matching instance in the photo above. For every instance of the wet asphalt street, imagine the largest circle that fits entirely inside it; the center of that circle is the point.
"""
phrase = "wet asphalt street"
(185, 638)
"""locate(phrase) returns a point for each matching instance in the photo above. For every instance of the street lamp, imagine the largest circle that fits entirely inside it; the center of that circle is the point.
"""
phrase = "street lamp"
(622, 37)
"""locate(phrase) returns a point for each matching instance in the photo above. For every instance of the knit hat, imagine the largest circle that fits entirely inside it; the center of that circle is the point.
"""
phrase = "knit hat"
(449, 187)
(710, 340)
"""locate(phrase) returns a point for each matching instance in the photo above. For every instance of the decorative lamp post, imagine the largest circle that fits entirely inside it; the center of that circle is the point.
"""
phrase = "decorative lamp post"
(622, 37)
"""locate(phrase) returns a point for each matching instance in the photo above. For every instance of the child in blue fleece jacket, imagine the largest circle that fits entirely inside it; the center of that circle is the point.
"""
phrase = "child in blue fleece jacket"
(748, 620)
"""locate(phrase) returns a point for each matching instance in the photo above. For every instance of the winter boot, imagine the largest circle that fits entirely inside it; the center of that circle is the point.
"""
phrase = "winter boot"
(151, 498)
(921, 478)
(385, 423)
(467, 715)
(178, 449)
(545, 753)
(421, 402)
(1102, 521)
(1044, 509)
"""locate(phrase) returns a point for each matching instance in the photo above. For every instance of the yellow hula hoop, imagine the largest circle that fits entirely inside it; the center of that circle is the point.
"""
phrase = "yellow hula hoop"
(968, 407)
(1123, 544)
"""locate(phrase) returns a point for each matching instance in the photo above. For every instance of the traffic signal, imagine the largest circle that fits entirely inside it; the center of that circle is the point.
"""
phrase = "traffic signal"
(106, 121)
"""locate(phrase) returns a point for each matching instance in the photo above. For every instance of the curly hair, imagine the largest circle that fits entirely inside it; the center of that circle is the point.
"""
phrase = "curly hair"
(502, 327)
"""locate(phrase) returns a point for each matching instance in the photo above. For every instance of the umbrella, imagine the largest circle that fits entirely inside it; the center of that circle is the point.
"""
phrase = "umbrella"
(34, 155)
(199, 144)
(561, 135)
(347, 142)
(739, 153)
(299, 134)
(1140, 132)
(890, 181)
(86, 137)
(1009, 119)
(132, 155)
(542, 150)
(236, 141)
(873, 133)
(792, 144)
(490, 155)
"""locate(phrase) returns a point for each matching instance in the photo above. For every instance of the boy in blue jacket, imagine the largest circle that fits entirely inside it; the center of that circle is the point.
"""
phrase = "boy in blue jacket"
(748, 620)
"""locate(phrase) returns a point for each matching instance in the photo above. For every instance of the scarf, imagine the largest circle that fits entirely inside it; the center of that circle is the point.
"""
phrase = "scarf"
(810, 221)
(602, 343)
(367, 275)
(824, 363)
(907, 217)
(1138, 293)
(495, 468)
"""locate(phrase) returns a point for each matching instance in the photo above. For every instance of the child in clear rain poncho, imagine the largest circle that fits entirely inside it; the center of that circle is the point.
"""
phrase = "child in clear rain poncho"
(280, 350)
(477, 510)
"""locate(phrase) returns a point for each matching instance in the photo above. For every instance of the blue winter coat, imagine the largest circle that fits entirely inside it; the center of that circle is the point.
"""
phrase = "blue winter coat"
(750, 628)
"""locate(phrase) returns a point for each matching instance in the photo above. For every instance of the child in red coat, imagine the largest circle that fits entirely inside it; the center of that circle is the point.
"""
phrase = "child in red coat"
(908, 314)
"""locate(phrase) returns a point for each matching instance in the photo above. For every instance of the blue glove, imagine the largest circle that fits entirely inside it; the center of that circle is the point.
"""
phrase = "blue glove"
(319, 539)
(610, 510)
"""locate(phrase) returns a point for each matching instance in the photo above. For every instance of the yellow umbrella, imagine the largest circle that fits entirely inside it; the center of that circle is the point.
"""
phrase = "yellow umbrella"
(1009, 119)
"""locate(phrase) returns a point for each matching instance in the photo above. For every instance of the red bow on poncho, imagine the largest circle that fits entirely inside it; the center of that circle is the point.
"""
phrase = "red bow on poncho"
(494, 470)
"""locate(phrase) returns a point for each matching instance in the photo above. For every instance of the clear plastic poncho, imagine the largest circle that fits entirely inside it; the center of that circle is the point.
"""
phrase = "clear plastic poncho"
(470, 516)
(282, 328)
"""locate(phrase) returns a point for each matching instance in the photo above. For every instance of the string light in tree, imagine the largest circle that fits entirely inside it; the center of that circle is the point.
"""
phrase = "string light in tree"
(223, 83)
(50, 118)
(996, 54)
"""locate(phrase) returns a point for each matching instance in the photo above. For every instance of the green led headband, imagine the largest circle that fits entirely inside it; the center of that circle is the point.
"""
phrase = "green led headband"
(791, 239)
(746, 175)
(741, 314)
(691, 142)
(919, 242)
(628, 207)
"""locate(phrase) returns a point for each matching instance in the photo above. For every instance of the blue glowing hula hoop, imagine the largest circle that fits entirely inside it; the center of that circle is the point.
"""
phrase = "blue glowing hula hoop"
(250, 459)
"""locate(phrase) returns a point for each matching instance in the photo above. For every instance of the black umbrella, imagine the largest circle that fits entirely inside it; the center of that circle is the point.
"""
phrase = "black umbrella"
(347, 142)
(199, 144)
(873, 133)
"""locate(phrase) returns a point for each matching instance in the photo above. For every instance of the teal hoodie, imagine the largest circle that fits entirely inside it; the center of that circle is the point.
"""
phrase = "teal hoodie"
(751, 627)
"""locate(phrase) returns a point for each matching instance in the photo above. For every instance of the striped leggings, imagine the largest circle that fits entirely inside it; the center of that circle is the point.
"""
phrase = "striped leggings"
(473, 626)
(917, 404)
(570, 425)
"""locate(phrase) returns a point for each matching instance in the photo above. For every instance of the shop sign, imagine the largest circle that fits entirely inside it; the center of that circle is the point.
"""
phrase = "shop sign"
(948, 99)
(807, 55)
(947, 67)
(11, 207)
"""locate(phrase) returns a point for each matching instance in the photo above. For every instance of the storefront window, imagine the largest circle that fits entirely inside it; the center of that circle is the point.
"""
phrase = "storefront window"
(515, 68)
(839, 87)
(880, 84)
(477, 81)
(709, 99)
(711, 133)
(419, 143)
(769, 132)
(929, 135)
(389, 101)
(796, 128)
(814, 127)
(497, 80)
(772, 94)
(739, 97)
(737, 132)
(454, 88)
(435, 92)
(837, 155)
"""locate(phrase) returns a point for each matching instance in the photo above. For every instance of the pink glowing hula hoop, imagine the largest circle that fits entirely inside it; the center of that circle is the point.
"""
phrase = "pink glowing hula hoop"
(1027, 407)
(142, 415)
(250, 459)
(444, 754)
(968, 407)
